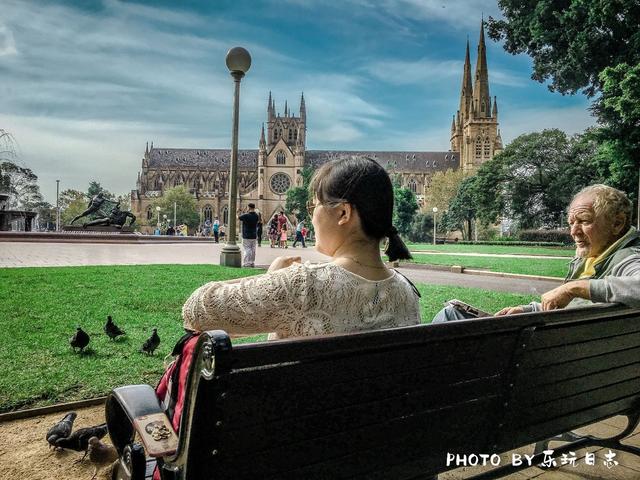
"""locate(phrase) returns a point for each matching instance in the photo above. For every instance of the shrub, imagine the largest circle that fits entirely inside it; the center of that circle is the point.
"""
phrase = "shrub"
(558, 236)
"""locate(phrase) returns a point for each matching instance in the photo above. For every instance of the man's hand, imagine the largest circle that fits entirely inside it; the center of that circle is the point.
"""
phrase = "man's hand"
(561, 296)
(509, 311)
(283, 262)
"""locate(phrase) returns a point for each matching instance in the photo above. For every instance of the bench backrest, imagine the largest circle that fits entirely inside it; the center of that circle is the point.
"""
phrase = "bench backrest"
(392, 403)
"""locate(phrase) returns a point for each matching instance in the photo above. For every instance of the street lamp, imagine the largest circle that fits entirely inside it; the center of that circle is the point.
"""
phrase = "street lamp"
(238, 62)
(158, 210)
(435, 210)
(57, 205)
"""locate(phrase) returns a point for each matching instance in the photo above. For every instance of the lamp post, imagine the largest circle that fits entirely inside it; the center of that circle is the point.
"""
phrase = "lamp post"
(238, 62)
(158, 225)
(435, 210)
(57, 205)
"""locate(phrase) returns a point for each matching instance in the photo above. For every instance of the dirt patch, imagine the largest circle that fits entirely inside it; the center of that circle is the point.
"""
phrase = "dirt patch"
(25, 454)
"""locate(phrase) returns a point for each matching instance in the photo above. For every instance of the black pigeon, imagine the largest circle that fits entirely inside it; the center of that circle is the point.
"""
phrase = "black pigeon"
(111, 329)
(80, 339)
(151, 343)
(79, 440)
(62, 429)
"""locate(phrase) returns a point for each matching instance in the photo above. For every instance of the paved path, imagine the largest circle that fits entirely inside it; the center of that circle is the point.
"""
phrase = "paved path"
(499, 255)
(24, 254)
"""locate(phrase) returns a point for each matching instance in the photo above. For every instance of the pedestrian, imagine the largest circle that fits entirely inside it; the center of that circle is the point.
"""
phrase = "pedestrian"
(216, 230)
(282, 220)
(223, 231)
(259, 229)
(299, 235)
(283, 236)
(249, 221)
(273, 231)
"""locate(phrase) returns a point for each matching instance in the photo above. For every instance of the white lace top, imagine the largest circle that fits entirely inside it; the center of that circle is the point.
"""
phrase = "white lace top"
(303, 299)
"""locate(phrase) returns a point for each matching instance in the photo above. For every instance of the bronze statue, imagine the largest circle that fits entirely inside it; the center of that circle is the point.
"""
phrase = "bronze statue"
(116, 218)
(94, 206)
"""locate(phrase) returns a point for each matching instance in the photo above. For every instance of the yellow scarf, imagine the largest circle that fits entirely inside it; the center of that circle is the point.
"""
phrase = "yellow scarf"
(589, 269)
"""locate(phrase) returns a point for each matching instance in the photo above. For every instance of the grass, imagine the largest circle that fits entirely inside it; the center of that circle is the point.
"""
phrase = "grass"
(545, 267)
(42, 306)
(495, 249)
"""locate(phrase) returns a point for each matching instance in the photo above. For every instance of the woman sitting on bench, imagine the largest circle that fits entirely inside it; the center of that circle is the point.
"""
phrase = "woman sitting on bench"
(351, 211)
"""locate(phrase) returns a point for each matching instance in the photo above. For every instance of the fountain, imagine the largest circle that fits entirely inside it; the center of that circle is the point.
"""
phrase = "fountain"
(7, 216)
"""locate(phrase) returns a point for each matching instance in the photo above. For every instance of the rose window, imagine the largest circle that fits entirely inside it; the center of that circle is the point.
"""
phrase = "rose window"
(280, 183)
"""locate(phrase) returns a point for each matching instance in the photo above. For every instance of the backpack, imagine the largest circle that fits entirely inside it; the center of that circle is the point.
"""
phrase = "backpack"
(172, 385)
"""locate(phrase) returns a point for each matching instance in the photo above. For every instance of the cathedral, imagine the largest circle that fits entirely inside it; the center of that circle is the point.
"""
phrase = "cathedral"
(265, 174)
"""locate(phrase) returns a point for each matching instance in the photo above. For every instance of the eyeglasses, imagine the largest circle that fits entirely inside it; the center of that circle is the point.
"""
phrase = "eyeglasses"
(312, 206)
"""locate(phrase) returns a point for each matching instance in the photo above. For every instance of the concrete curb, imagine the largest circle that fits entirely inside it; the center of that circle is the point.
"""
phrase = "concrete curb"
(96, 238)
(58, 407)
(469, 271)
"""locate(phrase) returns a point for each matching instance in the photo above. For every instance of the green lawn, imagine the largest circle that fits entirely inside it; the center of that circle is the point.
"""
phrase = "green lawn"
(527, 266)
(42, 306)
(500, 249)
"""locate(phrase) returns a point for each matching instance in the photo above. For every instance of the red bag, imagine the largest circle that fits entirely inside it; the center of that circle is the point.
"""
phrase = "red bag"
(172, 386)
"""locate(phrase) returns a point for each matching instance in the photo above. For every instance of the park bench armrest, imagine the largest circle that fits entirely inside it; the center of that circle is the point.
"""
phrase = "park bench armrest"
(136, 409)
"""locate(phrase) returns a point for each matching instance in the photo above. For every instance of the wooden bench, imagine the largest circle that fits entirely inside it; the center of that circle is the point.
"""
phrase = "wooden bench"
(391, 404)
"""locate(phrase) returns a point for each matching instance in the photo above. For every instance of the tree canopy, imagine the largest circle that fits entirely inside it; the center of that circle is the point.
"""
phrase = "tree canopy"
(186, 209)
(570, 41)
(404, 208)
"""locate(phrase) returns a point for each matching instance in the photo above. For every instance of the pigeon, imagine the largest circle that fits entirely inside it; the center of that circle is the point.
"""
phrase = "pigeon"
(79, 440)
(111, 329)
(100, 454)
(62, 429)
(151, 343)
(80, 339)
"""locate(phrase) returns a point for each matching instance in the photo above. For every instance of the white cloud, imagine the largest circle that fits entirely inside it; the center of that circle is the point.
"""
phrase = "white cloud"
(7, 42)
(424, 71)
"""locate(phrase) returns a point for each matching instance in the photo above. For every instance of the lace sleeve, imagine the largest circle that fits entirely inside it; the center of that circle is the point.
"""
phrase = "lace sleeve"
(264, 303)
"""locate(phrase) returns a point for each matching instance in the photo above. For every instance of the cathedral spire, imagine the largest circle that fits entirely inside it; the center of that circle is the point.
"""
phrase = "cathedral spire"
(146, 150)
(495, 108)
(303, 109)
(270, 107)
(263, 142)
(466, 93)
(481, 87)
(453, 125)
(286, 110)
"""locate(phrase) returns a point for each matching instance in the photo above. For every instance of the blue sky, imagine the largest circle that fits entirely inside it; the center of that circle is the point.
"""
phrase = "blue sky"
(85, 84)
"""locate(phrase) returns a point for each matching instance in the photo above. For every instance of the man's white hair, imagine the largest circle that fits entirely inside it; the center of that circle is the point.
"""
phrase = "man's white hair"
(609, 201)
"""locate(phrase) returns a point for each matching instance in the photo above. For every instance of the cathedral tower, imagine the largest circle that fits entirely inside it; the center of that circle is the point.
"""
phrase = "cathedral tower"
(474, 130)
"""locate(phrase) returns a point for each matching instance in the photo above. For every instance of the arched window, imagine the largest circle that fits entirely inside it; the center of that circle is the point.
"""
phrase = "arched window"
(157, 183)
(478, 147)
(225, 215)
(487, 148)
(290, 134)
(412, 185)
(149, 213)
(206, 212)
(275, 134)
(280, 158)
(295, 134)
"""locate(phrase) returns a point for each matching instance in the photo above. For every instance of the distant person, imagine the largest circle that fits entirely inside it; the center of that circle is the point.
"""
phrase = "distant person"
(259, 229)
(299, 235)
(283, 236)
(223, 231)
(273, 230)
(216, 230)
(282, 220)
(249, 221)
(606, 268)
(171, 231)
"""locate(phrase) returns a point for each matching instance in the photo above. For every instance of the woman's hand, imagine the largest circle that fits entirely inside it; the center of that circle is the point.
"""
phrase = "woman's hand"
(283, 262)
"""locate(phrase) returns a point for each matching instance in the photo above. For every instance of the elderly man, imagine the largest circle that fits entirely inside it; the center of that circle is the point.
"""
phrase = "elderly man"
(606, 268)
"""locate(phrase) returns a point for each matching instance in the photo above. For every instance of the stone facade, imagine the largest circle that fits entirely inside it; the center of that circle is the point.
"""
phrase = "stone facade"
(265, 174)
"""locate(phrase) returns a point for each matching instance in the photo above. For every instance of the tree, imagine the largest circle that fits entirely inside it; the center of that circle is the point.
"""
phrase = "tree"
(462, 208)
(421, 229)
(571, 41)
(404, 208)
(534, 178)
(72, 203)
(95, 188)
(297, 198)
(442, 188)
(18, 181)
(186, 209)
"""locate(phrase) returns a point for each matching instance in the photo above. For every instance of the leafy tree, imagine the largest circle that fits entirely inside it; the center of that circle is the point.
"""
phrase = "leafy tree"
(72, 203)
(186, 209)
(534, 178)
(404, 208)
(570, 41)
(462, 208)
(297, 197)
(442, 188)
(18, 181)
(421, 229)
(95, 188)
(46, 216)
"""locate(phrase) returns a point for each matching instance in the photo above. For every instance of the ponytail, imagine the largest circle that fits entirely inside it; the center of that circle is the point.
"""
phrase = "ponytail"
(395, 248)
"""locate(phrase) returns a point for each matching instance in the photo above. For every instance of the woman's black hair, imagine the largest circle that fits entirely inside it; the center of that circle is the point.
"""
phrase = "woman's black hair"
(363, 183)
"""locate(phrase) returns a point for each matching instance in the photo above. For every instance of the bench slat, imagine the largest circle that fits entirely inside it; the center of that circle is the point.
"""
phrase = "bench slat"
(576, 368)
(555, 335)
